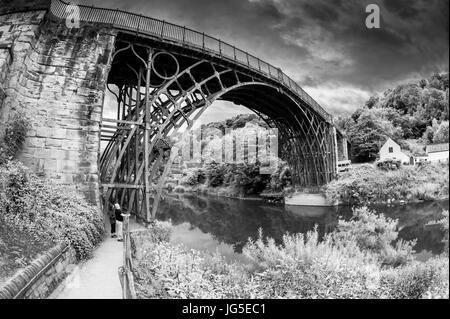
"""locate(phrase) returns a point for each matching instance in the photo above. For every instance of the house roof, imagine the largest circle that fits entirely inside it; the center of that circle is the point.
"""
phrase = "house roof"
(402, 150)
(433, 148)
(387, 139)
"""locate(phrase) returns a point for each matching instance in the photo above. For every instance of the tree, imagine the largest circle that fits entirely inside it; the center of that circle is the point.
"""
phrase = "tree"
(404, 98)
(215, 174)
(368, 135)
(344, 123)
(435, 104)
(437, 132)
(439, 81)
(406, 112)
(441, 134)
(373, 100)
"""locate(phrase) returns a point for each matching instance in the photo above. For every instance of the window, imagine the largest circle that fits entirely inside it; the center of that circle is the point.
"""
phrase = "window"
(391, 150)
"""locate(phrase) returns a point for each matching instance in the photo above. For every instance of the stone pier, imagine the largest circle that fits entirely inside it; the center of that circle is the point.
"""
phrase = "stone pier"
(57, 77)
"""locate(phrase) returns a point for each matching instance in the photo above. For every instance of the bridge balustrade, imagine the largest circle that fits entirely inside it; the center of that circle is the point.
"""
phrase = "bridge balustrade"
(168, 31)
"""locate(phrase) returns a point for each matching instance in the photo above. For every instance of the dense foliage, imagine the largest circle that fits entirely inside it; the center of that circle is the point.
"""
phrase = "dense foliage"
(239, 121)
(235, 180)
(13, 137)
(355, 261)
(17, 249)
(417, 111)
(47, 211)
(366, 184)
(36, 213)
(389, 164)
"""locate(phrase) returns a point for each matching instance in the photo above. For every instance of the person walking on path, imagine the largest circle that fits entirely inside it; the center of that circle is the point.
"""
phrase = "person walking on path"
(112, 219)
(119, 220)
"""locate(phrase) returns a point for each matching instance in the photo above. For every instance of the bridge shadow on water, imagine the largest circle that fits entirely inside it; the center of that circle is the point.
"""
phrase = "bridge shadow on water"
(216, 223)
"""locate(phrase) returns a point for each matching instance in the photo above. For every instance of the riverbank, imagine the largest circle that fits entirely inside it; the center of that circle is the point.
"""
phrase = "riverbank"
(226, 192)
(368, 185)
(357, 260)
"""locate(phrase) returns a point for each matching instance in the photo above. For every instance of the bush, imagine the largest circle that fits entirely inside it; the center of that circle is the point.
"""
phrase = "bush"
(389, 164)
(365, 184)
(17, 249)
(193, 177)
(234, 179)
(47, 210)
(304, 267)
(377, 234)
(13, 137)
(163, 270)
(345, 264)
(419, 280)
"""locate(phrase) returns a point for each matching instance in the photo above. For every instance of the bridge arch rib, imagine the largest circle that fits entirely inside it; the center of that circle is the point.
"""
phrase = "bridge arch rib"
(160, 89)
(164, 76)
(167, 75)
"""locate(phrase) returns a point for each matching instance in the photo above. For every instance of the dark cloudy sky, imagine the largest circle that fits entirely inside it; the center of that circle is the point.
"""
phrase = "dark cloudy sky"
(322, 44)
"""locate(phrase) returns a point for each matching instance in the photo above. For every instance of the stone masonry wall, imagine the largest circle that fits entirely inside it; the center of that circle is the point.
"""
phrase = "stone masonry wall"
(5, 61)
(58, 77)
(42, 276)
(17, 33)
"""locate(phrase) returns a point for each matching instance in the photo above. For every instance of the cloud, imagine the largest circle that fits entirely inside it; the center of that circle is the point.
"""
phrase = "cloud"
(322, 44)
(338, 99)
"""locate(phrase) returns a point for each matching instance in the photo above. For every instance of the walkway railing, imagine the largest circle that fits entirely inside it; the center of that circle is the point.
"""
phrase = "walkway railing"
(187, 37)
(126, 271)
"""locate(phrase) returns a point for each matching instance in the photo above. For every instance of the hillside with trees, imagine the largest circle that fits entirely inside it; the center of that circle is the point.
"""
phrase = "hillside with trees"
(414, 115)
(240, 179)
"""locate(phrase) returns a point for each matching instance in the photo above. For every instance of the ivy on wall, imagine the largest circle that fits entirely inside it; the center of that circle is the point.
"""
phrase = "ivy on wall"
(13, 138)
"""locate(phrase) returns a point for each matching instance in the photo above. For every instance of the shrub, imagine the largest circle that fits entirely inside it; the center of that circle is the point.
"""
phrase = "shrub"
(13, 137)
(173, 271)
(192, 177)
(156, 233)
(360, 259)
(47, 210)
(389, 164)
(304, 267)
(426, 191)
(377, 234)
(301, 267)
(17, 249)
(365, 184)
(418, 280)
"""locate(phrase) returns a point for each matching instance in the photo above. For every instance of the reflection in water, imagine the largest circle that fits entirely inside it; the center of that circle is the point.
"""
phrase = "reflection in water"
(412, 223)
(223, 224)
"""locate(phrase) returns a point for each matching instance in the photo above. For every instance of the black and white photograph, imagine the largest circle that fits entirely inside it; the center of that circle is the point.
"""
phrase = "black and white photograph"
(216, 155)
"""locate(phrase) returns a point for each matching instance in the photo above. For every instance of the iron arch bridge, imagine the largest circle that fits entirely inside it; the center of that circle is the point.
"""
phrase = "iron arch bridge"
(165, 76)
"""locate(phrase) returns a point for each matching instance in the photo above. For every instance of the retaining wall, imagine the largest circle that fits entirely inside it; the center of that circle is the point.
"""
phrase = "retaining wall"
(42, 276)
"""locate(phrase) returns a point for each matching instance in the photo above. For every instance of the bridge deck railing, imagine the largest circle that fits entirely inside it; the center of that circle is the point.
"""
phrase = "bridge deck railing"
(168, 31)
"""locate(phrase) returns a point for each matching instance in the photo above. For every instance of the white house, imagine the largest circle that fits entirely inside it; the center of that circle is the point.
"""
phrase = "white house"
(438, 152)
(391, 150)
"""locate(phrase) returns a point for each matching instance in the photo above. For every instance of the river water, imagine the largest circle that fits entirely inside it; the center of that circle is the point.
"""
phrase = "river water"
(222, 224)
